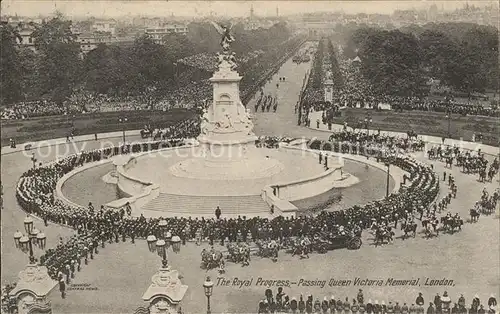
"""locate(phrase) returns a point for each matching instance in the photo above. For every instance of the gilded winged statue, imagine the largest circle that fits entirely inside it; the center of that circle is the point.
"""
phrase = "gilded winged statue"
(225, 32)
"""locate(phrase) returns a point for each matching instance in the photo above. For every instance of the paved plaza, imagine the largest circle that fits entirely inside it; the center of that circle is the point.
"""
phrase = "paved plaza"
(122, 272)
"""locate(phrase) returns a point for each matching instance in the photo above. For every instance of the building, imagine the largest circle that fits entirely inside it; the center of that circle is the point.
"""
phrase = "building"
(25, 40)
(25, 31)
(157, 33)
(106, 26)
(90, 41)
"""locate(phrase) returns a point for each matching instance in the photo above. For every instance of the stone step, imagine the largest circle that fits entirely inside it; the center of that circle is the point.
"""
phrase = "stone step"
(169, 205)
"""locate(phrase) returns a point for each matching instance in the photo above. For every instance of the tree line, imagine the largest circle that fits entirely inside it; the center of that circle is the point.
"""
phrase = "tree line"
(337, 77)
(56, 69)
(317, 66)
(463, 56)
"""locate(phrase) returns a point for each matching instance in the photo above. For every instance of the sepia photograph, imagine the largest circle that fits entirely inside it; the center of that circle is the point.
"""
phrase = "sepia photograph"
(190, 157)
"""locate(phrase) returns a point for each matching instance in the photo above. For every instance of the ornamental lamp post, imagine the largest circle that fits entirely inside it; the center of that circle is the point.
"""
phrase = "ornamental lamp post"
(388, 178)
(123, 121)
(34, 160)
(168, 239)
(176, 244)
(23, 243)
(162, 242)
(17, 236)
(162, 251)
(448, 116)
(151, 243)
(41, 240)
(162, 225)
(28, 224)
(160, 248)
(34, 280)
(368, 120)
(208, 286)
(33, 237)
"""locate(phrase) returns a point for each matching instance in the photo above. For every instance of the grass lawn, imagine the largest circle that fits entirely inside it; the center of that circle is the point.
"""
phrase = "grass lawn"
(43, 128)
(429, 123)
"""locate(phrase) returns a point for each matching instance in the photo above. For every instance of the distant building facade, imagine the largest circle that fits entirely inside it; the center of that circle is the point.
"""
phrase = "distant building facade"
(158, 33)
(90, 41)
(105, 26)
(26, 39)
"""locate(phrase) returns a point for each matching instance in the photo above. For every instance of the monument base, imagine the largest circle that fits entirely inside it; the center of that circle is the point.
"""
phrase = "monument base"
(227, 159)
(242, 169)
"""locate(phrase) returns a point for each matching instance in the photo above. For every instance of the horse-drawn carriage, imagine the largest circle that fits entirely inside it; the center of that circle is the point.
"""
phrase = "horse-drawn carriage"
(146, 132)
(268, 249)
(345, 240)
(210, 259)
(238, 253)
(324, 243)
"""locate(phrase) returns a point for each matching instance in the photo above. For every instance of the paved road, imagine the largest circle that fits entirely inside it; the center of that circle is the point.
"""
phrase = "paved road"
(122, 271)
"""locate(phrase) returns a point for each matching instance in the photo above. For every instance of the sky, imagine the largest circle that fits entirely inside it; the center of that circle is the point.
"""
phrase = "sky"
(118, 8)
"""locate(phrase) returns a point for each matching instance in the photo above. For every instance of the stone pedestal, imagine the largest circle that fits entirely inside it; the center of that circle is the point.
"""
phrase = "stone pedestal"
(227, 140)
(328, 85)
(166, 292)
(33, 286)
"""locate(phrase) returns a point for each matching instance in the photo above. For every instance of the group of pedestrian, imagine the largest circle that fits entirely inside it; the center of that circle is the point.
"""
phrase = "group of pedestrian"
(282, 303)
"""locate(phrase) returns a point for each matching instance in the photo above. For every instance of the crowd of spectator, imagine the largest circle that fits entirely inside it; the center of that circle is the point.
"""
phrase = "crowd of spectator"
(441, 304)
(28, 109)
(357, 92)
(186, 93)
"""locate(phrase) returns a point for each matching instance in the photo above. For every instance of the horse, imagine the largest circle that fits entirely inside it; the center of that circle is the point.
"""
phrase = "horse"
(452, 223)
(411, 134)
(145, 133)
(426, 224)
(487, 205)
(491, 174)
(158, 135)
(474, 215)
(267, 249)
(301, 247)
(449, 162)
(239, 253)
(431, 154)
(407, 228)
(210, 260)
(320, 246)
(383, 235)
(482, 175)
(418, 146)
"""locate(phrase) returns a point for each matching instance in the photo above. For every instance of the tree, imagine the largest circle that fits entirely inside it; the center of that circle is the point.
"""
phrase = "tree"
(178, 46)
(59, 58)
(317, 67)
(149, 66)
(10, 63)
(480, 49)
(437, 51)
(104, 73)
(30, 73)
(337, 78)
(392, 62)
(56, 30)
